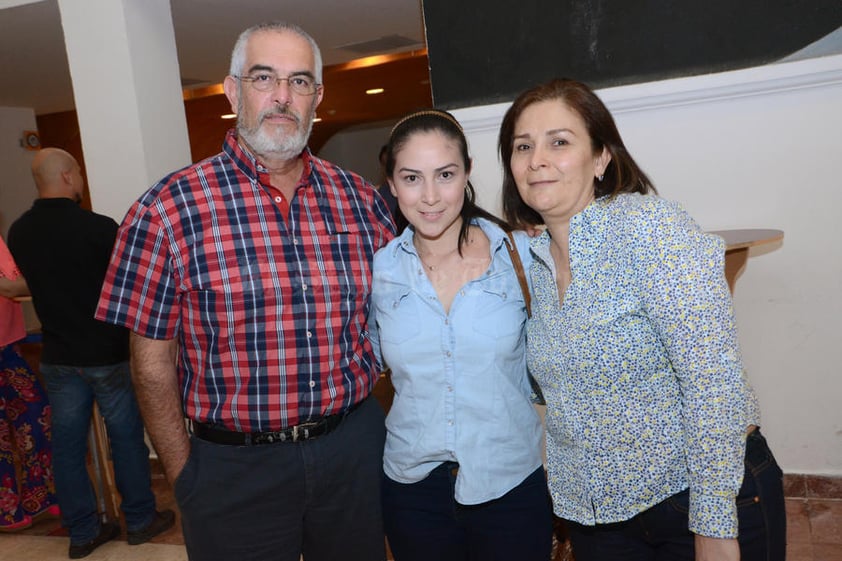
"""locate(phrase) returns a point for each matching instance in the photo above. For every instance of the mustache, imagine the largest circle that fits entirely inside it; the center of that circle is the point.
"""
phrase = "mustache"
(279, 111)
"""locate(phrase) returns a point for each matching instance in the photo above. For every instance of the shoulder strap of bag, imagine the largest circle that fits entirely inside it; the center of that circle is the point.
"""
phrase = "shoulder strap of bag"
(521, 274)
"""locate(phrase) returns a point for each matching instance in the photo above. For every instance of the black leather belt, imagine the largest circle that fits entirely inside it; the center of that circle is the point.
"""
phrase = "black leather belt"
(304, 431)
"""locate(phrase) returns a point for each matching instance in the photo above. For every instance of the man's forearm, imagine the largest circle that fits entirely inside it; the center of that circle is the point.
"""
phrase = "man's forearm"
(156, 386)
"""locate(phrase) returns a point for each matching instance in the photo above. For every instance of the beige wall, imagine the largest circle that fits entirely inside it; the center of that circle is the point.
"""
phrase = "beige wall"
(17, 189)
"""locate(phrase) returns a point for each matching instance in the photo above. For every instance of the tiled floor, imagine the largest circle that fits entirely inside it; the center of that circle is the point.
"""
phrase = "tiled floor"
(814, 518)
(41, 548)
(46, 540)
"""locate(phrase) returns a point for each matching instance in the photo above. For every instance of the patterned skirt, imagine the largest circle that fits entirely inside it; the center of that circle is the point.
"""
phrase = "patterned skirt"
(26, 474)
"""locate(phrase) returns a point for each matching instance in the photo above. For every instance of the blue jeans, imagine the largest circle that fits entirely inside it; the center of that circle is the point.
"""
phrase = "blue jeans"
(72, 391)
(660, 533)
(761, 507)
(424, 522)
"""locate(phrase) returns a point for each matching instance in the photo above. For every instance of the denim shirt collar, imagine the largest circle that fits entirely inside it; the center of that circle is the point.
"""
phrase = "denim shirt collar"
(492, 231)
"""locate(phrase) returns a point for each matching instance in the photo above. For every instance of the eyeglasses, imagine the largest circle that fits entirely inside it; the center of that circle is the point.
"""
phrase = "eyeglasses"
(301, 84)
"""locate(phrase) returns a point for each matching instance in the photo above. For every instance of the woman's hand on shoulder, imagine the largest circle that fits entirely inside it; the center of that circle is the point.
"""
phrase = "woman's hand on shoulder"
(532, 230)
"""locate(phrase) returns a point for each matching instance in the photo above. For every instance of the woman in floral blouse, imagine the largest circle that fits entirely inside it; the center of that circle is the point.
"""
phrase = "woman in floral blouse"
(634, 343)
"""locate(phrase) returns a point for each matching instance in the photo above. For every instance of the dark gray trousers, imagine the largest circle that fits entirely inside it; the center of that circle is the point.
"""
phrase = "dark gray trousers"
(275, 502)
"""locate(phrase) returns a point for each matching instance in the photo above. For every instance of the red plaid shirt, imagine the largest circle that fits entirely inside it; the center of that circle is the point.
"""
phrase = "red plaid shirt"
(268, 301)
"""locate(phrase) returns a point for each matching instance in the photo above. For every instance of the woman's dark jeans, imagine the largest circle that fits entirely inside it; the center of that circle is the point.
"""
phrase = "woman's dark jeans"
(424, 522)
(760, 504)
(660, 533)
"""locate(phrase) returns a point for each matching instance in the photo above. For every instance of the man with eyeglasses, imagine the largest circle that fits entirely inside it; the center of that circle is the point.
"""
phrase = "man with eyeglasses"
(245, 280)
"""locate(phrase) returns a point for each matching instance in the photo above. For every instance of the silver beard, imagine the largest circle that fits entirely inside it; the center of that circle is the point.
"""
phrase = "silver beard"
(279, 145)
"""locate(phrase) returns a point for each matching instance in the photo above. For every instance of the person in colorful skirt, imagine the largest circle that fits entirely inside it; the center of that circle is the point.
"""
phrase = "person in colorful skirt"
(26, 476)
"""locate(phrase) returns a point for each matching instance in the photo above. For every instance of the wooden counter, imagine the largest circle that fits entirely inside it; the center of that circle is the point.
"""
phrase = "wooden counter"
(737, 244)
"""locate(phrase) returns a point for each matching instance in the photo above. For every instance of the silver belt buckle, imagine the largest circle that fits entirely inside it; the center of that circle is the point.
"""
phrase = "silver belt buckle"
(302, 431)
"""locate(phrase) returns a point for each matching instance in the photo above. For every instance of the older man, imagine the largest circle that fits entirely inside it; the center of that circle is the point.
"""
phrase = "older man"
(245, 279)
(62, 251)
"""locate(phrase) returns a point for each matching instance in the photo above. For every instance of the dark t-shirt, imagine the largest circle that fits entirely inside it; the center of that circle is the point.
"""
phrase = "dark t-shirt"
(63, 252)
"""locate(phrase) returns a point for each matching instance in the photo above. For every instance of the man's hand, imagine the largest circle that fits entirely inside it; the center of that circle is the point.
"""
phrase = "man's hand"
(156, 387)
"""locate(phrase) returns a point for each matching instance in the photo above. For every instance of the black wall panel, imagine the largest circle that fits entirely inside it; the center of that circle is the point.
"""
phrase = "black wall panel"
(486, 51)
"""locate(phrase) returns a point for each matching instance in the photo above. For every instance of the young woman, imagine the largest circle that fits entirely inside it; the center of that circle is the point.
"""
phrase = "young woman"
(463, 473)
(652, 445)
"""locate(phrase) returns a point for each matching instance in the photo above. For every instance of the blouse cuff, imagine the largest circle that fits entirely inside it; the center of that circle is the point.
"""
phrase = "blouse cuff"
(713, 515)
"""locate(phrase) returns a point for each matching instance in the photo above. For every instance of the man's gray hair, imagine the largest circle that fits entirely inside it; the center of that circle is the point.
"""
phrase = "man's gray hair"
(238, 55)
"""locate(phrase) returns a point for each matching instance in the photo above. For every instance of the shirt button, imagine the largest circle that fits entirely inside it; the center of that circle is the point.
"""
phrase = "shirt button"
(294, 241)
(447, 354)
(279, 199)
(312, 384)
(303, 287)
(450, 422)
(450, 388)
(309, 334)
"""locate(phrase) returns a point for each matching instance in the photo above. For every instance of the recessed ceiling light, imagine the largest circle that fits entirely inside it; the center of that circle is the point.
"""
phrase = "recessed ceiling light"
(228, 116)
(374, 91)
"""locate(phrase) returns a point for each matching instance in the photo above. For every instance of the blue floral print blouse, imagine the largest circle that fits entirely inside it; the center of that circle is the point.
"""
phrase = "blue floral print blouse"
(640, 367)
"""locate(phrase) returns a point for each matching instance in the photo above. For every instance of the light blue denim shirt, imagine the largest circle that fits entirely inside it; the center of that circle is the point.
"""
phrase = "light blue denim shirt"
(640, 367)
(461, 389)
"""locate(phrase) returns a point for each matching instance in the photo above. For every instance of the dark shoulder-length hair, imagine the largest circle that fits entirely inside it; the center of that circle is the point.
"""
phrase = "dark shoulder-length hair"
(436, 120)
(622, 175)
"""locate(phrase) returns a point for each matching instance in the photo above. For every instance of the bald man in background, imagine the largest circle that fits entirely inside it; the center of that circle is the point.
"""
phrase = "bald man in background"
(62, 251)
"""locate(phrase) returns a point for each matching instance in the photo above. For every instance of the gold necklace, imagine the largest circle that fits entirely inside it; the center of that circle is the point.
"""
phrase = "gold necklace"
(441, 257)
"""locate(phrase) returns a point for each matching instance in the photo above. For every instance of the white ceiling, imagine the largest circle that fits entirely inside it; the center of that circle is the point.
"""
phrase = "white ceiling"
(33, 63)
